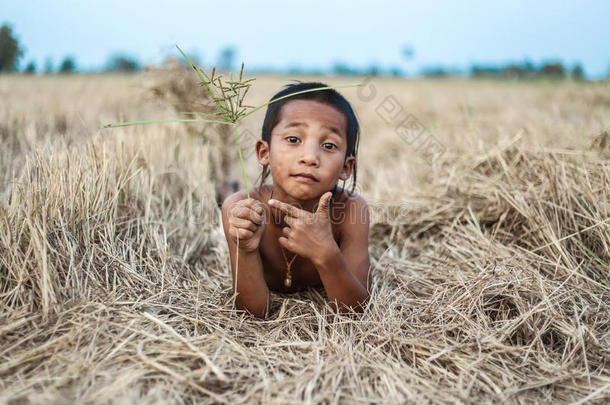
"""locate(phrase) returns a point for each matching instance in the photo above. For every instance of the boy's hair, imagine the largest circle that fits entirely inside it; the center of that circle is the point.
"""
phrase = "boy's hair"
(327, 96)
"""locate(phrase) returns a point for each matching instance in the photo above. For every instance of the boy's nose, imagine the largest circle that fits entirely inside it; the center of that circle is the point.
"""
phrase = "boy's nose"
(309, 157)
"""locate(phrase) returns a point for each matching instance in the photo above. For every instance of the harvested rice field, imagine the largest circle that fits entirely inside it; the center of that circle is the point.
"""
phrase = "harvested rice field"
(489, 246)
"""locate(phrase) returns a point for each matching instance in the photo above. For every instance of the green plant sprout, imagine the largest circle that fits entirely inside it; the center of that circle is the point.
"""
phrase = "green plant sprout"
(228, 96)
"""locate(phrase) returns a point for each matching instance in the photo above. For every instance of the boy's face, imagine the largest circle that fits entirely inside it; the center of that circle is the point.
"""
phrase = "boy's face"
(309, 147)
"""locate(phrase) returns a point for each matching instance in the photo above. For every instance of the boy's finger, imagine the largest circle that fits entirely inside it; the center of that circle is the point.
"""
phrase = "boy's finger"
(243, 224)
(255, 217)
(247, 213)
(259, 211)
(241, 233)
(249, 202)
(286, 208)
(289, 220)
(259, 207)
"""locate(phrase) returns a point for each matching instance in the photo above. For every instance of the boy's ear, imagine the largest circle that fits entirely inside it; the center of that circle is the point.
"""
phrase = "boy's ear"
(346, 170)
(262, 152)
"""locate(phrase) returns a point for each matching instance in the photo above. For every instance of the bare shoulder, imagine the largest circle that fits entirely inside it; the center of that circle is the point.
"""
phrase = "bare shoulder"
(351, 207)
(349, 200)
(236, 196)
(230, 200)
(256, 193)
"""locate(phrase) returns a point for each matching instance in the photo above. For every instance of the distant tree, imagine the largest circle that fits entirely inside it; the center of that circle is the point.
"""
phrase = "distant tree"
(68, 65)
(552, 70)
(578, 73)
(529, 67)
(373, 70)
(396, 71)
(30, 68)
(435, 72)
(513, 72)
(10, 52)
(48, 66)
(480, 71)
(522, 70)
(295, 70)
(225, 59)
(408, 52)
(122, 63)
(342, 68)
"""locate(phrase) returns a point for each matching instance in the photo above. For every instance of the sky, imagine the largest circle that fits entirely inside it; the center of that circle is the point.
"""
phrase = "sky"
(316, 34)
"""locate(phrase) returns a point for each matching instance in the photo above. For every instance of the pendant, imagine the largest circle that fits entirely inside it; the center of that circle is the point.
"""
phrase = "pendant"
(287, 282)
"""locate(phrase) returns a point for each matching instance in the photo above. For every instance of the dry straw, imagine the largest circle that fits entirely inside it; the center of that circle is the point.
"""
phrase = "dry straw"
(115, 287)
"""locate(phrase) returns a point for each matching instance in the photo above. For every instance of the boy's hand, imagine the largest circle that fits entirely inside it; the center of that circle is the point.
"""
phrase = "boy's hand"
(307, 234)
(247, 221)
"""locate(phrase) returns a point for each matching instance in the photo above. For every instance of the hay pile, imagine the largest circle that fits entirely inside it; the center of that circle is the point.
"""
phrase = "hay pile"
(175, 84)
(115, 287)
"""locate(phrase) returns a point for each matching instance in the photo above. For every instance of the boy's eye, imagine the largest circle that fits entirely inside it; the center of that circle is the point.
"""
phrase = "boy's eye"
(325, 145)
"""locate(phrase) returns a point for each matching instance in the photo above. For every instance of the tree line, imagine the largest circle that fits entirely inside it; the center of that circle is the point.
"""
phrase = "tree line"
(11, 52)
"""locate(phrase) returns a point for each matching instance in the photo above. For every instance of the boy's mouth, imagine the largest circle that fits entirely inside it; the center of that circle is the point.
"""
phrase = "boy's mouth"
(305, 177)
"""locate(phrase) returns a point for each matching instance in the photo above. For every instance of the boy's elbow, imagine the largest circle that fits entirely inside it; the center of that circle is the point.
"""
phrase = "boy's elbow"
(257, 314)
(260, 310)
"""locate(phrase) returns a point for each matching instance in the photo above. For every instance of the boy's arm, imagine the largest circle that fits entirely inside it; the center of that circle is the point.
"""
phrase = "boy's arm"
(253, 293)
(344, 271)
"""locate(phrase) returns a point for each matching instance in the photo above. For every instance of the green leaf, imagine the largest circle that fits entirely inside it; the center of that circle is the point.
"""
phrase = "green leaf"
(130, 123)
(203, 80)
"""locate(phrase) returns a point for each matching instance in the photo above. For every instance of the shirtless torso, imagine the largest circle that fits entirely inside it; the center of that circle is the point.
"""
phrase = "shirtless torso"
(304, 273)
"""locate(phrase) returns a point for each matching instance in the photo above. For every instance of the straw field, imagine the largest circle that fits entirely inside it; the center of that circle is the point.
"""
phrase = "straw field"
(490, 263)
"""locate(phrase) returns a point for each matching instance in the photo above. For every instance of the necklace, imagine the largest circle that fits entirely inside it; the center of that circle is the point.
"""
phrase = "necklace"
(288, 279)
